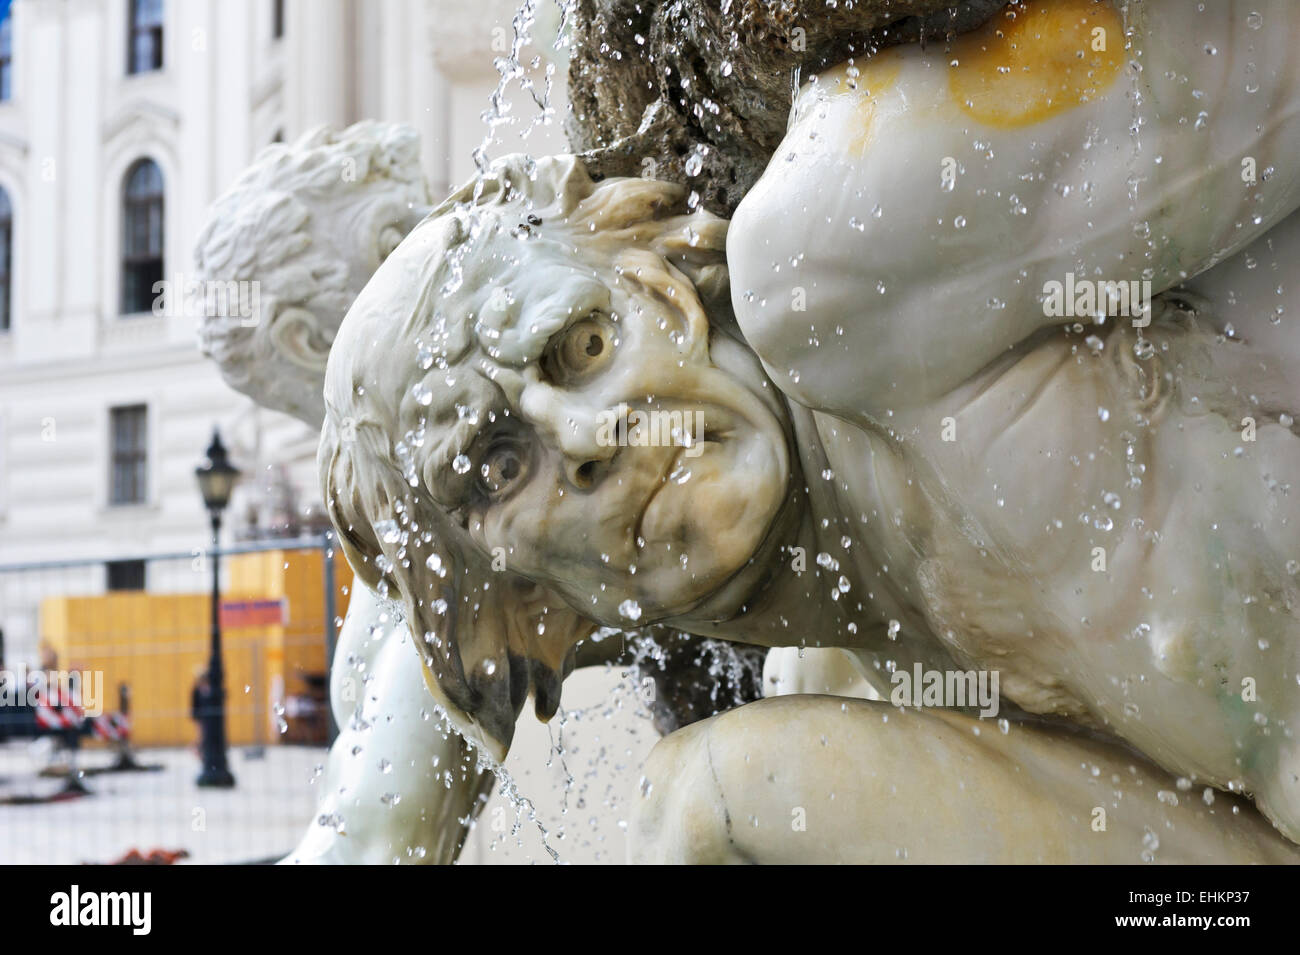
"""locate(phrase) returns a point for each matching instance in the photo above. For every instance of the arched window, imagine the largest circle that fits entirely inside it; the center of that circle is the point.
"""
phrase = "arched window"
(144, 39)
(6, 259)
(7, 55)
(142, 236)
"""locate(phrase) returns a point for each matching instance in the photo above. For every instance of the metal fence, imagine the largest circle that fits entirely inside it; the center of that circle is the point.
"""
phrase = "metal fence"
(102, 667)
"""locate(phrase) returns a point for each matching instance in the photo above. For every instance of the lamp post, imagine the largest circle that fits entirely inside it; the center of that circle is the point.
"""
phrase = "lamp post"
(217, 478)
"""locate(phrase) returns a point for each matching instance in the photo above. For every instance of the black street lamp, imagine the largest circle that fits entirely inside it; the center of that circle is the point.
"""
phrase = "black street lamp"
(217, 478)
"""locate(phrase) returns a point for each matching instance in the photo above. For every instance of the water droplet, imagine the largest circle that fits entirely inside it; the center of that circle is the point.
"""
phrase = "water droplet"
(695, 161)
(1150, 843)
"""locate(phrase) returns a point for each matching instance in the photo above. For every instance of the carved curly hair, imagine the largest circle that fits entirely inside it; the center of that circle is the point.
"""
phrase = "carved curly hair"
(262, 230)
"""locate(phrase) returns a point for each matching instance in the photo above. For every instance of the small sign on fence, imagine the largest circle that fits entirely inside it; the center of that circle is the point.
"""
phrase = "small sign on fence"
(254, 613)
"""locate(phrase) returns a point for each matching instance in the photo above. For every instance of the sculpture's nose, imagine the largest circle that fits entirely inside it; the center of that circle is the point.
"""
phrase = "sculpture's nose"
(590, 449)
(583, 476)
(585, 439)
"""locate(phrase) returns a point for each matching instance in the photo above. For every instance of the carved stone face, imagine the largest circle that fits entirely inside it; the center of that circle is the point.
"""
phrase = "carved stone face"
(553, 411)
(644, 458)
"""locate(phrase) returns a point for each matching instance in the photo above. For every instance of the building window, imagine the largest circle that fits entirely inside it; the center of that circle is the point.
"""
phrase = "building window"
(145, 38)
(7, 56)
(6, 259)
(277, 19)
(130, 454)
(142, 236)
(125, 574)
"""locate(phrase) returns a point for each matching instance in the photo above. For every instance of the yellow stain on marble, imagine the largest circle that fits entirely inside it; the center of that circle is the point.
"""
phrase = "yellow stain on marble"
(1036, 60)
(864, 82)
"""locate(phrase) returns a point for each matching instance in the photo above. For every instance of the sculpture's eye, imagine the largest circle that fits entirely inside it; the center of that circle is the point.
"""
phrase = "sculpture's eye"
(503, 467)
(579, 350)
(389, 239)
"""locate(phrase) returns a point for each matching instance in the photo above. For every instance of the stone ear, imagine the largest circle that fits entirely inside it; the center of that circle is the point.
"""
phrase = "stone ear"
(297, 338)
(699, 238)
(673, 288)
(697, 246)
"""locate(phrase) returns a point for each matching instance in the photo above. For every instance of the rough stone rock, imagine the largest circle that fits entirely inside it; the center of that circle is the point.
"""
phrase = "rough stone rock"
(698, 91)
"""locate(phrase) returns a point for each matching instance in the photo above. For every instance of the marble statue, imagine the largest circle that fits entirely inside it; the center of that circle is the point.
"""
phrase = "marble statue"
(310, 222)
(881, 428)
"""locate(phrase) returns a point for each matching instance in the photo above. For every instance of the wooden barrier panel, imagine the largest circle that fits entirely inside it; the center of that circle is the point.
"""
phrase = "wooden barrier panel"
(158, 645)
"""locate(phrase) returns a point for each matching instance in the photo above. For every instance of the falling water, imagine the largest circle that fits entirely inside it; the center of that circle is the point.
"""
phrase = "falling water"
(1134, 26)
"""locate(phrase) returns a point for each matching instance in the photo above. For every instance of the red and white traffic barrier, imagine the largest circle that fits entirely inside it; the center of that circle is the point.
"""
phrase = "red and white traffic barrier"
(115, 727)
(56, 710)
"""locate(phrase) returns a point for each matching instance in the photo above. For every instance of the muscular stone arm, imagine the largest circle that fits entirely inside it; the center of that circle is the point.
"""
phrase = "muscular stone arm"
(902, 237)
(398, 785)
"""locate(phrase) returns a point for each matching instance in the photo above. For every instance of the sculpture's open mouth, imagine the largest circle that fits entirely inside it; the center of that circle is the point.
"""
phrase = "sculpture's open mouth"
(702, 508)
(671, 464)
(710, 430)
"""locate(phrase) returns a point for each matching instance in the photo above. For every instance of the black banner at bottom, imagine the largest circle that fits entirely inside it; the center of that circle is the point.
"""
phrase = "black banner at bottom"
(269, 905)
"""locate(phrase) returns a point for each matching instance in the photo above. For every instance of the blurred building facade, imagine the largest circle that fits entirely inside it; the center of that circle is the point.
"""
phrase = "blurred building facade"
(120, 122)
